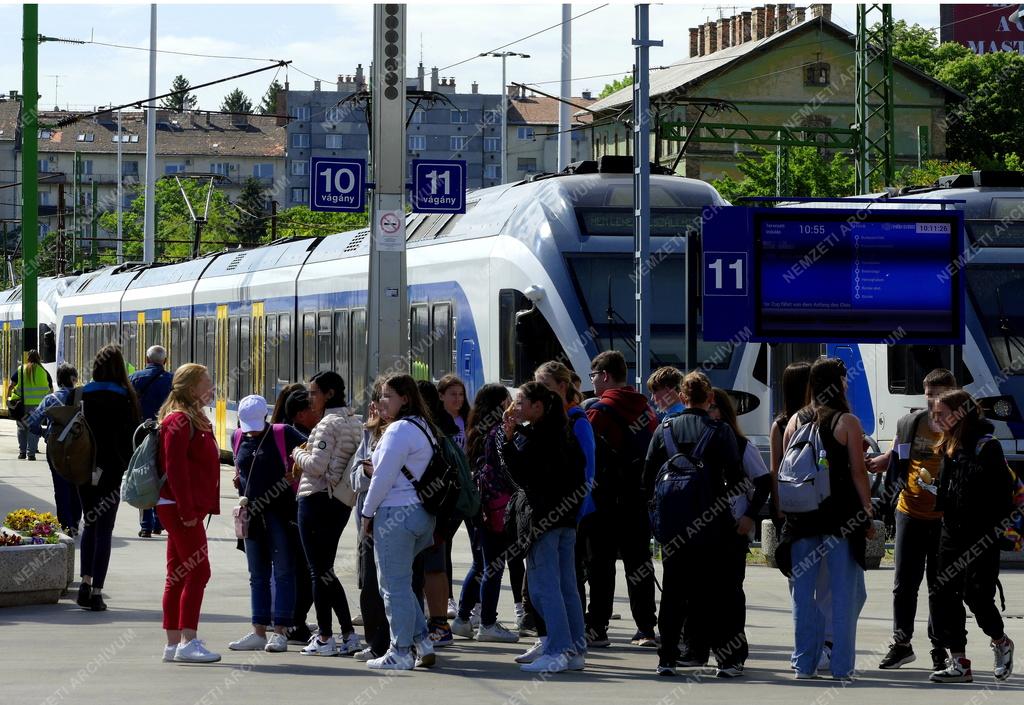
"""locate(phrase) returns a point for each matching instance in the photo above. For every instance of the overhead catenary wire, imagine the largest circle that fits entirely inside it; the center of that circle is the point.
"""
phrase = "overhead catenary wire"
(158, 51)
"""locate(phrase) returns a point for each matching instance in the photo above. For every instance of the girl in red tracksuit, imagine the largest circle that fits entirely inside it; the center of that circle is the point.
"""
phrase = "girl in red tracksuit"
(191, 463)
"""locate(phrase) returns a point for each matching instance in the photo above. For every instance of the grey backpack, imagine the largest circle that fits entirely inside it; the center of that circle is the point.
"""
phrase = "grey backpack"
(804, 473)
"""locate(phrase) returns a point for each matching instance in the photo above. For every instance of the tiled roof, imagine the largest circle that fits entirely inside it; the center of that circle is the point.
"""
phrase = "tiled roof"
(181, 134)
(540, 110)
(9, 111)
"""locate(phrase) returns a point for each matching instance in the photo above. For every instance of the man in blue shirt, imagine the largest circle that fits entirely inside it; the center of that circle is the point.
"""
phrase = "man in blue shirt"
(664, 385)
(152, 386)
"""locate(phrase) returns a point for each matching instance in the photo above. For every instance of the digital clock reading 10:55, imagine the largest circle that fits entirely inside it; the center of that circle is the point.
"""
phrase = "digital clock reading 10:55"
(812, 229)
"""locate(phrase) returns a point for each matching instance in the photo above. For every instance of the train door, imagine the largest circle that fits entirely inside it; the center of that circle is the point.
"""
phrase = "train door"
(165, 331)
(221, 377)
(140, 340)
(858, 391)
(781, 356)
(257, 354)
(79, 343)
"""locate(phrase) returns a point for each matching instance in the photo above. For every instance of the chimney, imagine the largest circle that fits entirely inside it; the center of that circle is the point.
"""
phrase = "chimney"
(744, 30)
(341, 83)
(782, 17)
(360, 80)
(722, 33)
(435, 82)
(769, 20)
(474, 88)
(823, 10)
(694, 39)
(801, 15)
(421, 77)
(451, 84)
(734, 31)
(710, 38)
(280, 107)
(316, 85)
(757, 28)
(587, 95)
(700, 40)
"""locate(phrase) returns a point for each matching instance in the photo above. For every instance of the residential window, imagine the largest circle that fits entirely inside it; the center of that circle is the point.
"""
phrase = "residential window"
(300, 140)
(492, 144)
(43, 165)
(86, 136)
(220, 168)
(527, 164)
(301, 113)
(87, 167)
(417, 143)
(817, 74)
(492, 171)
(300, 195)
(44, 198)
(45, 134)
(335, 114)
(134, 138)
(417, 117)
(460, 117)
(492, 117)
(43, 229)
(335, 142)
(261, 171)
(300, 167)
(524, 133)
(457, 143)
(130, 169)
(174, 168)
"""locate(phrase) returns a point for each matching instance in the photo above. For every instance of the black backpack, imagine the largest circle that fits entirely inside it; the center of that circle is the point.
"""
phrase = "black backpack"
(684, 491)
(438, 487)
(620, 469)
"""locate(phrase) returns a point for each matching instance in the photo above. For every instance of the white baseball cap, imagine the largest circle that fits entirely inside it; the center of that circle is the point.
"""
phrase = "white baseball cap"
(252, 413)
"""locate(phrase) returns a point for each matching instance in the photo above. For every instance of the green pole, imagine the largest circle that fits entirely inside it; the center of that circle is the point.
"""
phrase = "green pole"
(29, 173)
(93, 252)
(76, 209)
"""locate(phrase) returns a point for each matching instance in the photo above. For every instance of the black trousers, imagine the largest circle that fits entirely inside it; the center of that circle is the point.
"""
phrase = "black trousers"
(917, 556)
(371, 604)
(968, 573)
(731, 622)
(607, 537)
(303, 587)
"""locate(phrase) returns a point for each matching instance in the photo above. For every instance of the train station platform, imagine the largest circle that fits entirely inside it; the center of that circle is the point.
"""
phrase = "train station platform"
(58, 653)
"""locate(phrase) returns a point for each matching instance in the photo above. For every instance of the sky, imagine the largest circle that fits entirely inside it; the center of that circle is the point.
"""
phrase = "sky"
(327, 40)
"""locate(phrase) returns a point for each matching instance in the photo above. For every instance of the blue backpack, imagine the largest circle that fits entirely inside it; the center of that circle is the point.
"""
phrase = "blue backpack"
(684, 491)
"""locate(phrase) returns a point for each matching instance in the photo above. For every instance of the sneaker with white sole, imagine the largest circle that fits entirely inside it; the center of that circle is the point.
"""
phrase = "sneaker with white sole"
(315, 647)
(729, 672)
(825, 659)
(547, 664)
(393, 661)
(425, 656)
(195, 651)
(496, 633)
(534, 652)
(666, 670)
(805, 676)
(474, 616)
(957, 670)
(453, 609)
(250, 642)
(350, 644)
(169, 651)
(1004, 659)
(365, 655)
(276, 644)
(462, 627)
(577, 662)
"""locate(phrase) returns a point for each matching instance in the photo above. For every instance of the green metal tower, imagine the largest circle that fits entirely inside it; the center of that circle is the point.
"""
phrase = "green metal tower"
(875, 124)
(29, 173)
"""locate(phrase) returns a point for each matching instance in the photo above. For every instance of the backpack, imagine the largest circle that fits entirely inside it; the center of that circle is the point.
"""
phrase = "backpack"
(446, 487)
(1012, 534)
(683, 491)
(141, 484)
(70, 447)
(279, 441)
(625, 463)
(804, 481)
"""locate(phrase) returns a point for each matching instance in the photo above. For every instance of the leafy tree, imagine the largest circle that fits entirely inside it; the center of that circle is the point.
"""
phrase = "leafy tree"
(930, 171)
(914, 44)
(251, 226)
(299, 221)
(236, 102)
(268, 105)
(174, 227)
(180, 102)
(616, 85)
(810, 173)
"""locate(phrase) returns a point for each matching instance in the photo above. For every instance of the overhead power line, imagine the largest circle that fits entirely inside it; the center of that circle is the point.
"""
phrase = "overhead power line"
(158, 51)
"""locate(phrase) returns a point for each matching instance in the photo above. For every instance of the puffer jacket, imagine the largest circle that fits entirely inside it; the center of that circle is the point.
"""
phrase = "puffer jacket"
(326, 455)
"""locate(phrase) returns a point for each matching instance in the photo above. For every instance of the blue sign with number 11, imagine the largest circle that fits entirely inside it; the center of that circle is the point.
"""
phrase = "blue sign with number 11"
(438, 186)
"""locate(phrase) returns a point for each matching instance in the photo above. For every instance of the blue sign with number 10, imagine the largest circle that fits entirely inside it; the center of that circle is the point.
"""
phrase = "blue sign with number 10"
(438, 186)
(337, 185)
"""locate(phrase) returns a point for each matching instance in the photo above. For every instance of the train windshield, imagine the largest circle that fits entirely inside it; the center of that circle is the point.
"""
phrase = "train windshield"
(997, 290)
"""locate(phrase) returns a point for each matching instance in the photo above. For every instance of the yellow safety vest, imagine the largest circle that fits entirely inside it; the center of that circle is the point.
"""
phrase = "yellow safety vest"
(34, 386)
(129, 368)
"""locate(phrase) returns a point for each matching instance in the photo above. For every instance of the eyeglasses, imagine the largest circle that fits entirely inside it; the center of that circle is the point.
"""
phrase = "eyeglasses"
(594, 374)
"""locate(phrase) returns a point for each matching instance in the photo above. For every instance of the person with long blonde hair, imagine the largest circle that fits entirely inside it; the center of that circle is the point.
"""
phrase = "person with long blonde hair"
(190, 462)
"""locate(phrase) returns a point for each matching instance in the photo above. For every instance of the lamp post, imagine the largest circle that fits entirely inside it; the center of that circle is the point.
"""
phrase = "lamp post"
(503, 55)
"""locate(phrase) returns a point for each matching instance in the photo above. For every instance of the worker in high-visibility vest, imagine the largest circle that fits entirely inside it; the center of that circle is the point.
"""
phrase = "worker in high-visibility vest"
(29, 384)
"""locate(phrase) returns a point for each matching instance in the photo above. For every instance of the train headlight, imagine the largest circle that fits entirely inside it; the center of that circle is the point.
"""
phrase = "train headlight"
(1000, 408)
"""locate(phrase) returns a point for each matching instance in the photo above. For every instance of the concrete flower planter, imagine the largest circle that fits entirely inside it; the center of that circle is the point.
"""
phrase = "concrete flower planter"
(34, 574)
(875, 548)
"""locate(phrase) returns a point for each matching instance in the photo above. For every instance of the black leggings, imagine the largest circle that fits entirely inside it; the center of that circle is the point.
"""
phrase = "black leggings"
(321, 521)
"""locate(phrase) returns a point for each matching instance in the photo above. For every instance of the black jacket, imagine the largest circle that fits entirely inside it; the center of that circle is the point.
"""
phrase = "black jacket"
(112, 417)
(897, 472)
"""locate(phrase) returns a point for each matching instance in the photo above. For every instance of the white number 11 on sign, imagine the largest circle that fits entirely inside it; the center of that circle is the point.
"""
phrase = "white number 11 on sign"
(434, 177)
(736, 266)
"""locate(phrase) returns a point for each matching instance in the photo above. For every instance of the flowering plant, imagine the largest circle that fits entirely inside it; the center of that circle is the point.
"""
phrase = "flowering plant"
(37, 527)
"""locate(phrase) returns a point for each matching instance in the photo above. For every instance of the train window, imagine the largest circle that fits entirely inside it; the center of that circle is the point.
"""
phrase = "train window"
(525, 338)
(230, 384)
(245, 358)
(441, 336)
(284, 360)
(357, 393)
(308, 345)
(419, 341)
(342, 355)
(69, 345)
(507, 337)
(908, 365)
(47, 343)
(199, 324)
(324, 341)
(270, 349)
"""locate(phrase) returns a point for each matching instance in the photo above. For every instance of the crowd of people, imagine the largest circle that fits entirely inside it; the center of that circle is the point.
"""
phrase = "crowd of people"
(563, 488)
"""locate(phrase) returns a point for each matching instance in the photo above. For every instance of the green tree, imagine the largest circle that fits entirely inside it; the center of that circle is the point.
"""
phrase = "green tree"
(180, 102)
(930, 171)
(616, 85)
(268, 106)
(251, 225)
(299, 221)
(810, 173)
(174, 227)
(236, 102)
(914, 44)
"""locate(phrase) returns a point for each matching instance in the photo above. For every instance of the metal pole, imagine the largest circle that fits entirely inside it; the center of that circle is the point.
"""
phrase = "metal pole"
(93, 252)
(61, 230)
(564, 136)
(388, 300)
(5, 255)
(149, 216)
(120, 193)
(504, 123)
(642, 192)
(76, 201)
(273, 220)
(29, 174)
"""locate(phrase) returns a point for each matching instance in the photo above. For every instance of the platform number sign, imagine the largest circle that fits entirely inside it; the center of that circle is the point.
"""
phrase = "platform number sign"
(337, 185)
(438, 186)
(725, 273)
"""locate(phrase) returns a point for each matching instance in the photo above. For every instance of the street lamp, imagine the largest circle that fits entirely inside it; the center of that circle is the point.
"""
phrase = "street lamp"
(504, 105)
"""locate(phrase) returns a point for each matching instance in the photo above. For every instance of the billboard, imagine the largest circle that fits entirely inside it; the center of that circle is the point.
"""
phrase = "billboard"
(982, 28)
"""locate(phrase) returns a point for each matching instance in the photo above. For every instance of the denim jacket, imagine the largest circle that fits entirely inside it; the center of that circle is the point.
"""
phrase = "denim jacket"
(38, 422)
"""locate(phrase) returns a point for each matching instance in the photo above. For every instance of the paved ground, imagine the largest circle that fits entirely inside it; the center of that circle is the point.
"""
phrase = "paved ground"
(59, 653)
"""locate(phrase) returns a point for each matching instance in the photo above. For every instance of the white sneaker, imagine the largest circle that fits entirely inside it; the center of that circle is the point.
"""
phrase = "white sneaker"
(195, 651)
(474, 616)
(1004, 660)
(462, 627)
(364, 655)
(393, 661)
(169, 651)
(425, 656)
(250, 642)
(825, 660)
(276, 644)
(317, 648)
(534, 652)
(350, 644)
(520, 610)
(496, 632)
(453, 609)
(547, 664)
(577, 662)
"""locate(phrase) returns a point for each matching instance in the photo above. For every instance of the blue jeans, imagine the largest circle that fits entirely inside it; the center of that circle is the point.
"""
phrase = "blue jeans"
(399, 535)
(27, 442)
(483, 581)
(149, 521)
(268, 551)
(65, 497)
(846, 580)
(551, 574)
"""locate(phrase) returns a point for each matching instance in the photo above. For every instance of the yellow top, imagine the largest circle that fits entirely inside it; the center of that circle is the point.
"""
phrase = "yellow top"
(916, 500)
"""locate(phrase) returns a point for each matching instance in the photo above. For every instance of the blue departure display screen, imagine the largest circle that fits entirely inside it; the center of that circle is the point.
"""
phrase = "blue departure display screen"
(886, 275)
